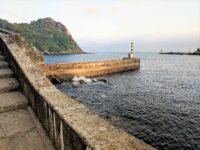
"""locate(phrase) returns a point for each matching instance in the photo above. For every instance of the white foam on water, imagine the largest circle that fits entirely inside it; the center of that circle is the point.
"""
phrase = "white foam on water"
(78, 79)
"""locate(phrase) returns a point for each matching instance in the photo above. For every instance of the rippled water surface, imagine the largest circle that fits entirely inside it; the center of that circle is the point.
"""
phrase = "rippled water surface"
(160, 103)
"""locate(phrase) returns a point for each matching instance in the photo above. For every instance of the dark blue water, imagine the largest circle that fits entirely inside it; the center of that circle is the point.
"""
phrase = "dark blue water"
(160, 103)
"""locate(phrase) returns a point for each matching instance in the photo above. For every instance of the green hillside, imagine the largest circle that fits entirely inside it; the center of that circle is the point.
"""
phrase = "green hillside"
(45, 34)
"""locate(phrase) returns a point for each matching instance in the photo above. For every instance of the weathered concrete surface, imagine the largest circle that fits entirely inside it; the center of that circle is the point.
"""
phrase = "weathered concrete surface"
(69, 124)
(3, 64)
(90, 69)
(18, 128)
(23, 141)
(16, 121)
(9, 84)
(6, 73)
(12, 100)
(17, 131)
(2, 58)
(35, 55)
(44, 137)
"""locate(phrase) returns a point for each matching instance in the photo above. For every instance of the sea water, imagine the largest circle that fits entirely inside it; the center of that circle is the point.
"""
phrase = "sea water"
(159, 103)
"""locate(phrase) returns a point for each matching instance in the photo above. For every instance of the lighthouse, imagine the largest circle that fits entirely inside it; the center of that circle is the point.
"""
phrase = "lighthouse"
(132, 54)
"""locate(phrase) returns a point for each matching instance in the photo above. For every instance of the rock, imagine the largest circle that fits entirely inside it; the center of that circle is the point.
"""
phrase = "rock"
(94, 80)
(81, 81)
(54, 79)
(103, 80)
(76, 84)
(56, 25)
(88, 80)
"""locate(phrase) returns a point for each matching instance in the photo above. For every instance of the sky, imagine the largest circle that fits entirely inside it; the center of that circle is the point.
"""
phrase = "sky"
(110, 25)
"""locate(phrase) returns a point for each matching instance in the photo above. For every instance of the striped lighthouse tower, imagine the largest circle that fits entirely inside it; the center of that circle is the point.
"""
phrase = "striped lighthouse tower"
(132, 54)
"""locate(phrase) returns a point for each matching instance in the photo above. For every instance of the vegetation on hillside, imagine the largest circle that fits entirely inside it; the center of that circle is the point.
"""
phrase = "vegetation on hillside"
(45, 34)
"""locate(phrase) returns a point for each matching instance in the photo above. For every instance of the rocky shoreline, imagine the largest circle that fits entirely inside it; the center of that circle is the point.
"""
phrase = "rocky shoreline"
(76, 80)
(63, 53)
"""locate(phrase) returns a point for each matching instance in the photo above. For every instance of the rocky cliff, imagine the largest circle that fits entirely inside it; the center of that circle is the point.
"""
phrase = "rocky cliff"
(48, 35)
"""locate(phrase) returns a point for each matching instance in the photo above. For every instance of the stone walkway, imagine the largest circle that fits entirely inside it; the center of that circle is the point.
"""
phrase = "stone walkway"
(19, 128)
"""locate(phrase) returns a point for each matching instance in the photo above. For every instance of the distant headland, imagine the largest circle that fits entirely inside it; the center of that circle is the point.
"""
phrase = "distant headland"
(47, 35)
(197, 52)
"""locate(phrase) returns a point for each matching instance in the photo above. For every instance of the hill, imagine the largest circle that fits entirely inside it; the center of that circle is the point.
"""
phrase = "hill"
(45, 34)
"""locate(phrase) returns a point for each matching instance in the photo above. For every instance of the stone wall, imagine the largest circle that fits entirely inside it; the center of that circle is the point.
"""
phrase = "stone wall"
(89, 69)
(69, 124)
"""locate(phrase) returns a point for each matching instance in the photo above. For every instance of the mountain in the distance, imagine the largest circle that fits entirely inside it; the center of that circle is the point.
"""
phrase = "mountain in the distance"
(46, 34)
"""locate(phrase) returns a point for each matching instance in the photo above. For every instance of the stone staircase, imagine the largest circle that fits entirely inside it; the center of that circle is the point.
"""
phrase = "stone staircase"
(19, 128)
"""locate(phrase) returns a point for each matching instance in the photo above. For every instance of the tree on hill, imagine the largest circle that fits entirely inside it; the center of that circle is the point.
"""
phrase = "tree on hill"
(45, 34)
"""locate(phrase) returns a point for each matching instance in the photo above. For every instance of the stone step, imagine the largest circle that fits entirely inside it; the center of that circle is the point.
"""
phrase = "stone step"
(7, 85)
(12, 101)
(6, 73)
(4, 64)
(18, 131)
(2, 57)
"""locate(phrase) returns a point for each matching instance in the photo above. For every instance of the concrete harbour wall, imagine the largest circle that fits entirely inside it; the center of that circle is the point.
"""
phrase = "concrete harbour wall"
(69, 124)
(90, 69)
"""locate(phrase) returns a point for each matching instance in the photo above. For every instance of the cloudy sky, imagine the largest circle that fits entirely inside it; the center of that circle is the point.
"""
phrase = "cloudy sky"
(110, 25)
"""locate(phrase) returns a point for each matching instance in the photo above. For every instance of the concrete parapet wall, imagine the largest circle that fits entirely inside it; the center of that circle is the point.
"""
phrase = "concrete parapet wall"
(89, 69)
(69, 124)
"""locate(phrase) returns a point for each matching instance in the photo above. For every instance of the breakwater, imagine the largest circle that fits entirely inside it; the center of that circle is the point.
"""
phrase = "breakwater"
(90, 69)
